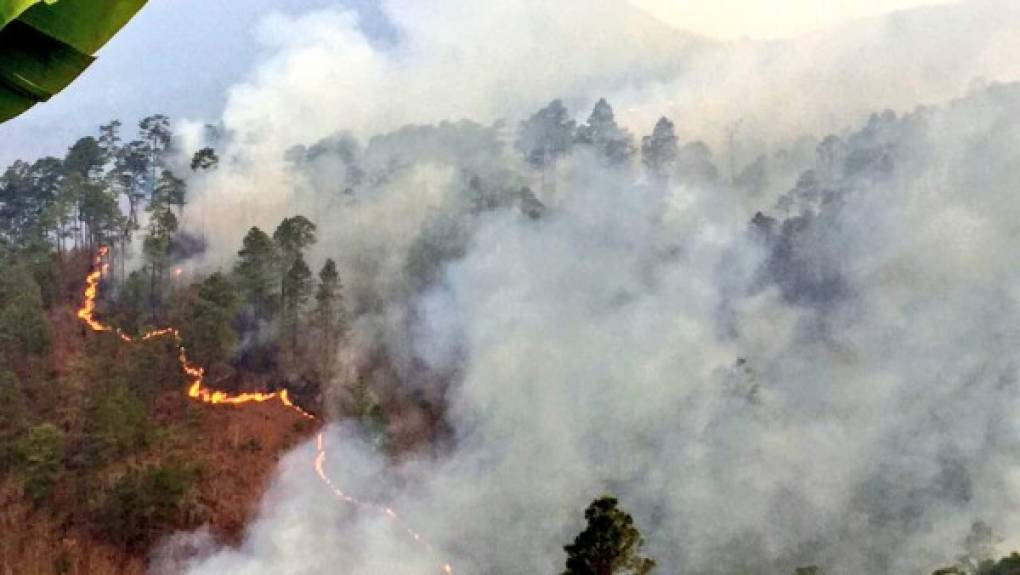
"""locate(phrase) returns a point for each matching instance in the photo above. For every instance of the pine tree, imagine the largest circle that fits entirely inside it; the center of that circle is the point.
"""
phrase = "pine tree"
(85, 158)
(154, 131)
(659, 151)
(13, 417)
(545, 137)
(163, 224)
(132, 173)
(256, 271)
(369, 413)
(24, 329)
(205, 159)
(109, 141)
(206, 318)
(40, 456)
(173, 190)
(614, 145)
(609, 545)
(297, 288)
(291, 237)
(27, 194)
(329, 319)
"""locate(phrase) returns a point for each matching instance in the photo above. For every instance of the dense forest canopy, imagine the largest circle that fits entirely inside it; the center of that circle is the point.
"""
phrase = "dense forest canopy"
(523, 317)
(516, 287)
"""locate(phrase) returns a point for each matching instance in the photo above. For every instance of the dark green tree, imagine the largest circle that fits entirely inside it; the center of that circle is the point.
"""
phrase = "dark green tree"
(545, 137)
(98, 212)
(47, 177)
(1005, 566)
(659, 151)
(13, 417)
(133, 302)
(85, 158)
(257, 272)
(61, 215)
(95, 215)
(154, 131)
(163, 224)
(206, 320)
(328, 319)
(24, 328)
(205, 159)
(16, 191)
(132, 174)
(609, 545)
(27, 194)
(369, 412)
(13, 411)
(292, 237)
(40, 459)
(144, 505)
(297, 288)
(117, 424)
(219, 290)
(613, 144)
(122, 183)
(110, 141)
(172, 190)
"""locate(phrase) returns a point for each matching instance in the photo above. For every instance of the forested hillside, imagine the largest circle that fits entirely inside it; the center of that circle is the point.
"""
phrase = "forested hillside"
(102, 452)
(371, 308)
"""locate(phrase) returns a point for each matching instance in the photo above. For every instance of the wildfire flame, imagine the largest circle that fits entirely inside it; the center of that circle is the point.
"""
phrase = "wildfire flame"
(198, 392)
(88, 308)
(320, 464)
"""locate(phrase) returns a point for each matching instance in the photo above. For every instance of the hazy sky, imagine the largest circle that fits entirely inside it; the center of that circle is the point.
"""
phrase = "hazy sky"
(176, 57)
(179, 57)
(767, 18)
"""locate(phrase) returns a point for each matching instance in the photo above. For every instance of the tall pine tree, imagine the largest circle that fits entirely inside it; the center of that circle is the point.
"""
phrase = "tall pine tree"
(609, 545)
(613, 144)
(329, 320)
(659, 151)
(256, 272)
(297, 288)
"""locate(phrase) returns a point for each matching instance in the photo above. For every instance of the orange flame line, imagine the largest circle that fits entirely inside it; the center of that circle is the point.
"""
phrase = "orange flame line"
(320, 464)
(196, 389)
(198, 392)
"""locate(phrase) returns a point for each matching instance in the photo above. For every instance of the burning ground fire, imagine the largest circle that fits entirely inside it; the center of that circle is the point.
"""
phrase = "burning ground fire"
(198, 392)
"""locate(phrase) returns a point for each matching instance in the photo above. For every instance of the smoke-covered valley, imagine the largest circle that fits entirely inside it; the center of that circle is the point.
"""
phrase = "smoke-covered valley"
(790, 343)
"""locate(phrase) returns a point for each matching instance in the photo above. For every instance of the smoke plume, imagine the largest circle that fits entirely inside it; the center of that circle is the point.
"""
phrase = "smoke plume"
(830, 381)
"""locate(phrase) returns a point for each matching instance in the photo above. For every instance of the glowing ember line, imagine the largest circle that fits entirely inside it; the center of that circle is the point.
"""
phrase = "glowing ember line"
(88, 309)
(196, 389)
(320, 464)
(198, 392)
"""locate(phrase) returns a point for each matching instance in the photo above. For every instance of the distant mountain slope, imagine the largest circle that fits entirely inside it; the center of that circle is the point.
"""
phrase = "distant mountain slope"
(830, 79)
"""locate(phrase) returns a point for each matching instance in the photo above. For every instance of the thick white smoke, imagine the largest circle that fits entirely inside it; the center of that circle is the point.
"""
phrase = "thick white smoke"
(506, 59)
(835, 386)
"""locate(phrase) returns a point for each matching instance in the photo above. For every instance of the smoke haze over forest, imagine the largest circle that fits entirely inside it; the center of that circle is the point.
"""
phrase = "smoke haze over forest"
(763, 290)
(801, 349)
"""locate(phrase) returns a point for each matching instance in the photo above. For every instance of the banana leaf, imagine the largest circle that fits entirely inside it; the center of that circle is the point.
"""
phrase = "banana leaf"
(46, 44)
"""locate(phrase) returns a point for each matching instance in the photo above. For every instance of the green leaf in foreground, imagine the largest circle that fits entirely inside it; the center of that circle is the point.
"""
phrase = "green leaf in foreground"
(46, 44)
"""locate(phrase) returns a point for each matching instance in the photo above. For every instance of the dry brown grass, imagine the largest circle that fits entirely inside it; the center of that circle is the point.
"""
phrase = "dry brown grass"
(235, 448)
